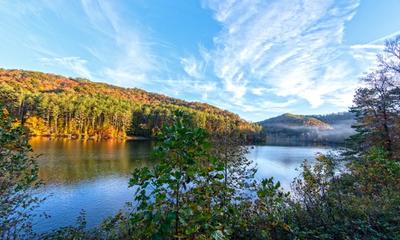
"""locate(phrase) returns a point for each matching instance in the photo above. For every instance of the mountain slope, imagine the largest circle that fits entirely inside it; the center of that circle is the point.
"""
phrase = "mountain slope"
(298, 129)
(50, 104)
(296, 121)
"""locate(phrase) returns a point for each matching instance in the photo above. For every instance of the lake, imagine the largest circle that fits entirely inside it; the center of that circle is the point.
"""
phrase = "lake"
(94, 175)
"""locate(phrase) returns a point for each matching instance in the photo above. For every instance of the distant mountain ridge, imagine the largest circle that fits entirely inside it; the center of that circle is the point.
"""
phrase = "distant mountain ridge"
(293, 120)
(291, 128)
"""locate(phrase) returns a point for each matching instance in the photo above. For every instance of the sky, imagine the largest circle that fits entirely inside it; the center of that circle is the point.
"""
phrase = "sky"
(257, 58)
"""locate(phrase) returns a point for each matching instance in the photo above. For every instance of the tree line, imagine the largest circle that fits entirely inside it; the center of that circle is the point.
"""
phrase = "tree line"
(203, 187)
(52, 105)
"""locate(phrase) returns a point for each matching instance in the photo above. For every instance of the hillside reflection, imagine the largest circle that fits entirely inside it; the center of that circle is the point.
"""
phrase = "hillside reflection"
(71, 161)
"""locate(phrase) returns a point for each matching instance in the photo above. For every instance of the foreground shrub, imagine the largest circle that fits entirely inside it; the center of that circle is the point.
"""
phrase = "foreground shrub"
(18, 178)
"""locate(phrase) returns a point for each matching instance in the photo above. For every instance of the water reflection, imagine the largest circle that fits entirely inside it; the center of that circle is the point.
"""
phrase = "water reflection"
(71, 161)
(94, 176)
(282, 162)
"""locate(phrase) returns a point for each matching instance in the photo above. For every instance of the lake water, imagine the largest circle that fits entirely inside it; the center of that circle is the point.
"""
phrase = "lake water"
(94, 175)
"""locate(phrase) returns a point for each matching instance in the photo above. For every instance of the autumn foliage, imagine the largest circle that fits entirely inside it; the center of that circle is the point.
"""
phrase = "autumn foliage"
(53, 105)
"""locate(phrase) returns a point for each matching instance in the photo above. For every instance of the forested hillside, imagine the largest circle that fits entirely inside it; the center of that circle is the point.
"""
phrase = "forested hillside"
(54, 105)
(336, 118)
(297, 129)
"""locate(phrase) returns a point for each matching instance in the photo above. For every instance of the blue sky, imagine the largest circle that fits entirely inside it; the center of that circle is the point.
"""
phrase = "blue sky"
(257, 58)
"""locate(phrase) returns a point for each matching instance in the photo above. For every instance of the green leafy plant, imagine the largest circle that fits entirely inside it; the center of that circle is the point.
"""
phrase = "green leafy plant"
(18, 178)
(181, 197)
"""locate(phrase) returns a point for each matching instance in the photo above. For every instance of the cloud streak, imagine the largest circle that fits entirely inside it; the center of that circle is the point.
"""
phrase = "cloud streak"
(288, 48)
(254, 57)
(132, 58)
(73, 64)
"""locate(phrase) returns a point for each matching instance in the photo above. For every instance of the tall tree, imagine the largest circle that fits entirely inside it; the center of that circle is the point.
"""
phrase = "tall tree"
(377, 105)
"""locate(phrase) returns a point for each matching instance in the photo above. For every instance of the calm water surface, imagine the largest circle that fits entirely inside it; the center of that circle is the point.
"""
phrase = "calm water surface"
(94, 175)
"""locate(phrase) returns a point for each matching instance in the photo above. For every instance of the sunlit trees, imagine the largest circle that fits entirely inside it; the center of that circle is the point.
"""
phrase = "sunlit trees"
(377, 106)
(202, 186)
(356, 195)
(79, 108)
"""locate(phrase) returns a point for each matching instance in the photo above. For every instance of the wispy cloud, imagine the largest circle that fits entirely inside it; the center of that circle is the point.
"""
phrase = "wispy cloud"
(258, 91)
(99, 40)
(366, 53)
(132, 58)
(73, 64)
(288, 48)
(188, 86)
(279, 105)
(368, 46)
(256, 58)
(192, 67)
(384, 38)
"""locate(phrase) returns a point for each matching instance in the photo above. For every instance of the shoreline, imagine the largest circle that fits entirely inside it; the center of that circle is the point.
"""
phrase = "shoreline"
(140, 138)
(91, 138)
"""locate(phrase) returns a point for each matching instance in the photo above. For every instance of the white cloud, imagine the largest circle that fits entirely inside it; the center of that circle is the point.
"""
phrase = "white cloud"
(279, 105)
(74, 64)
(293, 48)
(192, 67)
(259, 91)
(127, 47)
(384, 38)
(368, 46)
(124, 76)
(342, 99)
(188, 85)
(206, 88)
(366, 54)
(121, 53)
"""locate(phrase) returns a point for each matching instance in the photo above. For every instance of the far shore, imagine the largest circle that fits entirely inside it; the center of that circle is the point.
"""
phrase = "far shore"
(91, 138)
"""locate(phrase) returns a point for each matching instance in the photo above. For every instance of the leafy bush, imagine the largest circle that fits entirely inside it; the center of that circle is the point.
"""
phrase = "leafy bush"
(18, 178)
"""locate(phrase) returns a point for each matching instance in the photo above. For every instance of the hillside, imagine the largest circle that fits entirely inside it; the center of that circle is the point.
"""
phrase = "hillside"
(55, 105)
(289, 120)
(302, 129)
